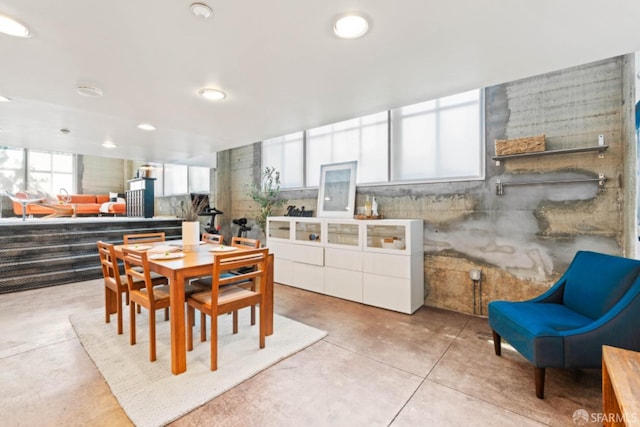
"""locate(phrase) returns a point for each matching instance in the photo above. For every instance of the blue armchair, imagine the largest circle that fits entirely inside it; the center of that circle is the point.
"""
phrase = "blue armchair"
(596, 302)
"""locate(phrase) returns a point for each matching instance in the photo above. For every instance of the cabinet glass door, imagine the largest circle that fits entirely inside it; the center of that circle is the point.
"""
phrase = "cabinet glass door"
(386, 236)
(279, 229)
(308, 231)
(343, 234)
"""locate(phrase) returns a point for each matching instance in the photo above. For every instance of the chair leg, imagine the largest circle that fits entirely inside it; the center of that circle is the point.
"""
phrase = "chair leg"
(152, 335)
(214, 342)
(496, 343)
(107, 316)
(166, 314)
(253, 315)
(539, 379)
(190, 321)
(235, 321)
(119, 314)
(132, 323)
(203, 327)
(263, 325)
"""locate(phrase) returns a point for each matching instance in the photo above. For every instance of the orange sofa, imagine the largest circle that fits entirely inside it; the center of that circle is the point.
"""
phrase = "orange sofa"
(85, 204)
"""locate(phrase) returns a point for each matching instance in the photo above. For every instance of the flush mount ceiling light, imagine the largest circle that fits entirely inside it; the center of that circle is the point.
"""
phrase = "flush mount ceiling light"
(11, 27)
(146, 126)
(201, 10)
(109, 144)
(4, 99)
(351, 26)
(90, 91)
(212, 94)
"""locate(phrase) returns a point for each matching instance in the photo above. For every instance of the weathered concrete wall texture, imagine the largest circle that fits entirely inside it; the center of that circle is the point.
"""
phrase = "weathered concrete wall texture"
(525, 239)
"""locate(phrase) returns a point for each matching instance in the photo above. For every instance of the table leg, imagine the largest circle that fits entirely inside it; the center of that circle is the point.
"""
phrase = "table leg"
(177, 320)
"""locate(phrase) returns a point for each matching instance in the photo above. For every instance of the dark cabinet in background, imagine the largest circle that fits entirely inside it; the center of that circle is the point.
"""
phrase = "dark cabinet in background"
(140, 197)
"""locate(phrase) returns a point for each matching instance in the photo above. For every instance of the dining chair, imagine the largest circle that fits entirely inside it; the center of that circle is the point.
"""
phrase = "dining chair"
(245, 241)
(144, 238)
(205, 282)
(115, 285)
(213, 238)
(151, 297)
(225, 297)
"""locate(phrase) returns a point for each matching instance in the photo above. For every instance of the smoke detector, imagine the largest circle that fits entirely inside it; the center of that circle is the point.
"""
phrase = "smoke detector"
(90, 91)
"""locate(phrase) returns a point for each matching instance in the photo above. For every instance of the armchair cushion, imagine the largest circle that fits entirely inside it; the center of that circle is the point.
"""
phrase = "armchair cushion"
(597, 282)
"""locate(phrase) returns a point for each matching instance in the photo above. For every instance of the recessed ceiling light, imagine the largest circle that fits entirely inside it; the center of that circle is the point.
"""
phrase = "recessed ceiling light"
(146, 126)
(201, 10)
(212, 94)
(351, 27)
(90, 91)
(11, 27)
(109, 144)
(4, 99)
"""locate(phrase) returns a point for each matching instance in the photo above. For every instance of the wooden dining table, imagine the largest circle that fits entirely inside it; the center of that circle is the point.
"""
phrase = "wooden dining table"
(179, 270)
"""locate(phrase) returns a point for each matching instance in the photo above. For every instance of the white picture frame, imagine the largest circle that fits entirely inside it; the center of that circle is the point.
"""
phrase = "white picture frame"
(337, 192)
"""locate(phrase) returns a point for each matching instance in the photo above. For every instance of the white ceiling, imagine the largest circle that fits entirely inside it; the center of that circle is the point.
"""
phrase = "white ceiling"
(278, 60)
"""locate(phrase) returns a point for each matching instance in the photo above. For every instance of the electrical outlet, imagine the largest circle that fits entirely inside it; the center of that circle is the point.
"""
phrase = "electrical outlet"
(475, 275)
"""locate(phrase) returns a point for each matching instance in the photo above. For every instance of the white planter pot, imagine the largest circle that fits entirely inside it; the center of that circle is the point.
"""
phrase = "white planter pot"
(190, 236)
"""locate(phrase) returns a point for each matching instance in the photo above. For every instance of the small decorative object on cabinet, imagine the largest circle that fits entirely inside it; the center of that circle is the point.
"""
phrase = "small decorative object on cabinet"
(351, 259)
(140, 197)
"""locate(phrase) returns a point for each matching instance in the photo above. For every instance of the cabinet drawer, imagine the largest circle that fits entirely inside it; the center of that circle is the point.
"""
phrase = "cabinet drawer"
(300, 253)
(387, 264)
(342, 258)
(282, 271)
(392, 293)
(341, 283)
(309, 277)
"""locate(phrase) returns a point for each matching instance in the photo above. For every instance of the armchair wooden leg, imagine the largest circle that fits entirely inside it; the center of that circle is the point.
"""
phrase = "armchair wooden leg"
(539, 379)
(496, 343)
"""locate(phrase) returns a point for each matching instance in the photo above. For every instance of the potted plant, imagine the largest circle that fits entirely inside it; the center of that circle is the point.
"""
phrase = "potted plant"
(266, 195)
(190, 225)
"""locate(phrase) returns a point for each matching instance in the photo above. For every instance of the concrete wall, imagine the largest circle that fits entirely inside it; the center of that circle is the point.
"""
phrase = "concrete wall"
(523, 240)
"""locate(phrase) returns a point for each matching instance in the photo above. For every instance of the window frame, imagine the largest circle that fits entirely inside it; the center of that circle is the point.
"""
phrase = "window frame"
(391, 144)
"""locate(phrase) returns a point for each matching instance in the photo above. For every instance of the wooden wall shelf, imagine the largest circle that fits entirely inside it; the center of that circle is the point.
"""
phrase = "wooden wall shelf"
(599, 148)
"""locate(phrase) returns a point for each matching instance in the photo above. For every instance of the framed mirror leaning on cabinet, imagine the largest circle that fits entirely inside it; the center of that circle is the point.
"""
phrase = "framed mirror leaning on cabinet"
(337, 193)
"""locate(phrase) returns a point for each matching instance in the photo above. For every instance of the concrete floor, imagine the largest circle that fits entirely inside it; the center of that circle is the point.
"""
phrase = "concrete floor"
(375, 368)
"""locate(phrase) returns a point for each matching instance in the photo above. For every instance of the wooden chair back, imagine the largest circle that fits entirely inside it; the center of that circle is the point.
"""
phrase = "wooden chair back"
(144, 238)
(141, 274)
(109, 263)
(245, 242)
(213, 238)
(253, 264)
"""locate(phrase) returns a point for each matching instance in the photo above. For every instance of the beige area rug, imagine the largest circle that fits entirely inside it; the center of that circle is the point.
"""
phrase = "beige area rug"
(150, 394)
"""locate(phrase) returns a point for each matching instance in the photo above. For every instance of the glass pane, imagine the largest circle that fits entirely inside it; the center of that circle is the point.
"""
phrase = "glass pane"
(40, 181)
(175, 179)
(11, 169)
(285, 154)
(443, 141)
(62, 162)
(39, 161)
(199, 179)
(363, 139)
(61, 180)
(11, 158)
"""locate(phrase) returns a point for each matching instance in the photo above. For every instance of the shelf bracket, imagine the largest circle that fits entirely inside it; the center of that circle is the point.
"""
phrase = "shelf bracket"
(601, 180)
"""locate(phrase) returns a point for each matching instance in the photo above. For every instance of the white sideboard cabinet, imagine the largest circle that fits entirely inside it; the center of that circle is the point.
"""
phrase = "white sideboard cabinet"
(375, 262)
